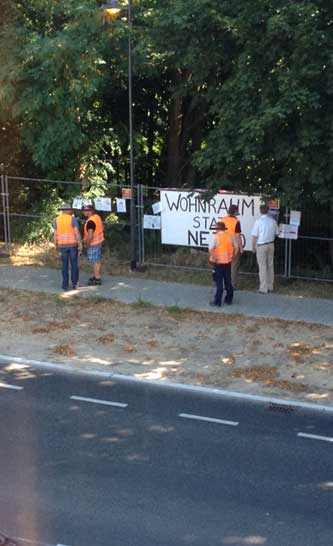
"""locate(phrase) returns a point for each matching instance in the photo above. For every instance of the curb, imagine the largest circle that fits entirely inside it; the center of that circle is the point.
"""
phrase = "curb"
(209, 391)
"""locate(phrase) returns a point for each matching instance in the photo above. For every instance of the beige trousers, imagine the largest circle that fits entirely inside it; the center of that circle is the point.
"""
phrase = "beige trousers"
(234, 269)
(265, 259)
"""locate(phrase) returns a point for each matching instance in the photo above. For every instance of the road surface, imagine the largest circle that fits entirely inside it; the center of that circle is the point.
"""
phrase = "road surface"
(94, 462)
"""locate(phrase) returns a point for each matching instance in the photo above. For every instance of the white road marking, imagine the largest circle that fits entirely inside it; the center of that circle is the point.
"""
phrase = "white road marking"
(180, 387)
(98, 401)
(14, 387)
(208, 419)
(315, 437)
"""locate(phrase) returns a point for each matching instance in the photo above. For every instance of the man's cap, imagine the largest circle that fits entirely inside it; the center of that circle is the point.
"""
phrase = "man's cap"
(88, 207)
(233, 210)
(66, 206)
(220, 226)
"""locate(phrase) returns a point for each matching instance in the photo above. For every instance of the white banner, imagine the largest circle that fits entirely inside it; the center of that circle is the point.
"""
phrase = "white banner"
(188, 220)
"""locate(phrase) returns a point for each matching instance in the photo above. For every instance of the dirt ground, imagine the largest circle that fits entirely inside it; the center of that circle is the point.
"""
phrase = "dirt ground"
(260, 356)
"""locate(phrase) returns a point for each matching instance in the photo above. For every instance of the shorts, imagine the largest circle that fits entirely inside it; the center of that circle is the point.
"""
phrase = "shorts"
(94, 254)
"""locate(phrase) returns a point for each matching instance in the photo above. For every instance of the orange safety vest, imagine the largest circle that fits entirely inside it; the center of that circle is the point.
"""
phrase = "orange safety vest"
(224, 251)
(65, 233)
(98, 236)
(230, 223)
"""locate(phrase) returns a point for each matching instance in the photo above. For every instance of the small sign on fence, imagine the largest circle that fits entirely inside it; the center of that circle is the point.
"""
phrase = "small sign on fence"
(288, 231)
(126, 193)
(151, 222)
(121, 205)
(103, 204)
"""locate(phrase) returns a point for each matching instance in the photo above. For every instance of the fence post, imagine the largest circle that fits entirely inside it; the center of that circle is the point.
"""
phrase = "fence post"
(142, 205)
(286, 255)
(289, 258)
(138, 219)
(140, 223)
(5, 211)
(9, 238)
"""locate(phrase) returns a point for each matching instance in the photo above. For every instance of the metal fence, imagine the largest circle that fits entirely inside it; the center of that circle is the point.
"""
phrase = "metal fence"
(28, 209)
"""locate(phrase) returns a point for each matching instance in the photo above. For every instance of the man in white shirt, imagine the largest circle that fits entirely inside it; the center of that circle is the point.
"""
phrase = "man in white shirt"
(264, 232)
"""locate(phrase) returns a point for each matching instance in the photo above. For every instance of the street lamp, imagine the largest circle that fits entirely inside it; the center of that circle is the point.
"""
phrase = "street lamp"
(112, 9)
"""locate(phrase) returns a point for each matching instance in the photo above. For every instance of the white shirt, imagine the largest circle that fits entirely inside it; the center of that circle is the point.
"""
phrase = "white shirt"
(265, 229)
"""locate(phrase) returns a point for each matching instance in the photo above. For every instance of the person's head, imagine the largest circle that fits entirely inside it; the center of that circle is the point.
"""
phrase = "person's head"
(66, 208)
(233, 210)
(220, 226)
(264, 209)
(88, 210)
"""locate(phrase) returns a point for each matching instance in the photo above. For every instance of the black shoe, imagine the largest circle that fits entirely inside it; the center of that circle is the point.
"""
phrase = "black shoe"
(214, 304)
(97, 282)
(228, 302)
(91, 281)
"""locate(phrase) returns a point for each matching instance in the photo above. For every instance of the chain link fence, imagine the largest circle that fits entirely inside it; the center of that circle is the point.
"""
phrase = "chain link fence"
(29, 206)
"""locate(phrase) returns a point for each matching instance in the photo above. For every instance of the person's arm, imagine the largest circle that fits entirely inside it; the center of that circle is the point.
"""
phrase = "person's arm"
(212, 243)
(89, 237)
(255, 235)
(211, 247)
(238, 231)
(55, 234)
(91, 226)
(75, 225)
(235, 244)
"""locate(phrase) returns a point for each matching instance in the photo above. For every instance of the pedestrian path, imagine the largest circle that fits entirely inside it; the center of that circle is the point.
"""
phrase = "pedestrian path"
(133, 289)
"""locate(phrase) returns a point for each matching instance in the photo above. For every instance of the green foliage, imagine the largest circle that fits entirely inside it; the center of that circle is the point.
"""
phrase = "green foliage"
(232, 94)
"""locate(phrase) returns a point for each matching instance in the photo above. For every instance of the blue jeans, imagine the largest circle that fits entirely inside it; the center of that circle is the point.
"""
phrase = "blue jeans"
(69, 254)
(223, 274)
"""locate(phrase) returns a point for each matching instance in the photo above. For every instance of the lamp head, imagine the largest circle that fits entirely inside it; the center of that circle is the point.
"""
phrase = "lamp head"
(112, 9)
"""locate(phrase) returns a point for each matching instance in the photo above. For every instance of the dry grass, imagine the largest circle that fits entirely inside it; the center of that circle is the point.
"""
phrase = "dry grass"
(64, 350)
(107, 338)
(194, 347)
(256, 373)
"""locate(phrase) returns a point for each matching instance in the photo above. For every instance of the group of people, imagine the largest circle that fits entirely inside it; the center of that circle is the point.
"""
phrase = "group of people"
(226, 248)
(67, 238)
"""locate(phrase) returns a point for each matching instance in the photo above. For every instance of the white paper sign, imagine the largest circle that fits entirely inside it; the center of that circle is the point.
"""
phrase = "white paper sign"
(151, 222)
(288, 231)
(295, 218)
(187, 220)
(157, 207)
(103, 204)
(121, 205)
(77, 203)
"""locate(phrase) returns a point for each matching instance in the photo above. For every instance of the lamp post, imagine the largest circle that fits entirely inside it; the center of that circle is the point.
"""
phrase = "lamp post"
(112, 9)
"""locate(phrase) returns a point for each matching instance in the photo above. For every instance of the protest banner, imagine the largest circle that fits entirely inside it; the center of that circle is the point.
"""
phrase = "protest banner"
(189, 220)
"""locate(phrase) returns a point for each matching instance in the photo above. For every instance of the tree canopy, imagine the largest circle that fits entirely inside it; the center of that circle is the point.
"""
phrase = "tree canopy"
(226, 94)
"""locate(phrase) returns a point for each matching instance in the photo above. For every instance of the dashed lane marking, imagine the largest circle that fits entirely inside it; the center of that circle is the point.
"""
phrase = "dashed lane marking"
(98, 401)
(208, 419)
(315, 437)
(7, 386)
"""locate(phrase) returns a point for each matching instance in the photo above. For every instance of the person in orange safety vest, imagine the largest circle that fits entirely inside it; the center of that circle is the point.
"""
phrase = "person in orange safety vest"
(222, 249)
(67, 239)
(233, 226)
(94, 237)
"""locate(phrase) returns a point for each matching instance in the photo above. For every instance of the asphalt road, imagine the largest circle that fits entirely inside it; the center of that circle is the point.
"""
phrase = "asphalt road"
(153, 471)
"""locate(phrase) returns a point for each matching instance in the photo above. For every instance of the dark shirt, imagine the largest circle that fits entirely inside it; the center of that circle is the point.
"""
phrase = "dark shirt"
(91, 225)
(238, 228)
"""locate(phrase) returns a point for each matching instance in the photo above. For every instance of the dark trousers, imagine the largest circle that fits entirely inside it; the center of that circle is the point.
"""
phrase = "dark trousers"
(69, 254)
(223, 276)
